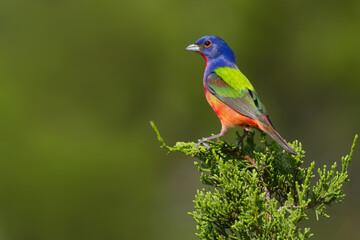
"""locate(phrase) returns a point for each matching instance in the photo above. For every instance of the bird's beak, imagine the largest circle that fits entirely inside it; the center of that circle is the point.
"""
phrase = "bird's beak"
(193, 47)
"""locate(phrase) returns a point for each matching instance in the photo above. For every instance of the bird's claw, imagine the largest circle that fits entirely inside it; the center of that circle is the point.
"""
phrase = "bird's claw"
(246, 131)
(239, 146)
(203, 143)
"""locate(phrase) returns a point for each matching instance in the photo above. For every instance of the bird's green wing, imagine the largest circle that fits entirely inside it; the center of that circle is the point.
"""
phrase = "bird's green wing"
(231, 87)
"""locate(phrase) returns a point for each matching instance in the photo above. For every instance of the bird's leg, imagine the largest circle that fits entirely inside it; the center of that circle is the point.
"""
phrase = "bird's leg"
(204, 140)
(247, 129)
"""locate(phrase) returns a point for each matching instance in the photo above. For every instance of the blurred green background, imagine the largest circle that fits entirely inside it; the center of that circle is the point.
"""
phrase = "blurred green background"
(80, 80)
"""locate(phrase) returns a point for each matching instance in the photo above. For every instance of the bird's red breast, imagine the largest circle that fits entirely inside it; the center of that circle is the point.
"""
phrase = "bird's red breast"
(228, 116)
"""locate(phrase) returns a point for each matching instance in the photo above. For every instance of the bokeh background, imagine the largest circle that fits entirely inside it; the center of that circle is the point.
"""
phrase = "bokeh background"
(80, 81)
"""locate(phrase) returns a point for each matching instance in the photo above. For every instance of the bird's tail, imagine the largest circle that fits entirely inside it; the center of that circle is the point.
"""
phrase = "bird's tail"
(276, 136)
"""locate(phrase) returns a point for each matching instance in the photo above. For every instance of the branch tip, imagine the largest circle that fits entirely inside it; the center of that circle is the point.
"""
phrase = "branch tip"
(161, 140)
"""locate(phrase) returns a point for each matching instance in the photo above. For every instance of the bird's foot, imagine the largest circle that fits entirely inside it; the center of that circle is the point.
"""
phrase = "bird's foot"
(247, 129)
(239, 145)
(203, 142)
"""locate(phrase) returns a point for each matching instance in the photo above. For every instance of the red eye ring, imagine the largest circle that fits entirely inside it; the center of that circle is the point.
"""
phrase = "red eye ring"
(207, 43)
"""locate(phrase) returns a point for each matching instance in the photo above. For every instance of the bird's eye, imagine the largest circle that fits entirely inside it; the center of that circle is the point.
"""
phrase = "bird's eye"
(207, 43)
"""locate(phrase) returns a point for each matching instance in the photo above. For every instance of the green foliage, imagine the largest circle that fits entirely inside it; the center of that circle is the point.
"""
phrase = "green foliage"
(261, 192)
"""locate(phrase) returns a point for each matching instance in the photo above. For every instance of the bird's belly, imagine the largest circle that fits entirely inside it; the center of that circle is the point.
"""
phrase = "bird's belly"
(228, 116)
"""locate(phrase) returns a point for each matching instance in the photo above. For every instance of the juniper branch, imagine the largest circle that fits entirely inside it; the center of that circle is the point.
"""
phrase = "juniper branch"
(261, 192)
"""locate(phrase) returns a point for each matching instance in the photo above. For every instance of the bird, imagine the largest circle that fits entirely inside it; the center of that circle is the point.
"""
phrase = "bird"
(230, 93)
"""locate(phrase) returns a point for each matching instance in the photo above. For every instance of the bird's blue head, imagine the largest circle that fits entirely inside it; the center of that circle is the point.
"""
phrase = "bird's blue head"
(212, 47)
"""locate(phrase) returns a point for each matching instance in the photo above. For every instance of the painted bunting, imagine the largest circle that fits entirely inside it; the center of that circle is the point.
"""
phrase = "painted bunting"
(230, 93)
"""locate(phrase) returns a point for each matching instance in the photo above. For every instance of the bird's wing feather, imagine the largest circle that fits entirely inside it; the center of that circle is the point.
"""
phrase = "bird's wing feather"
(231, 87)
